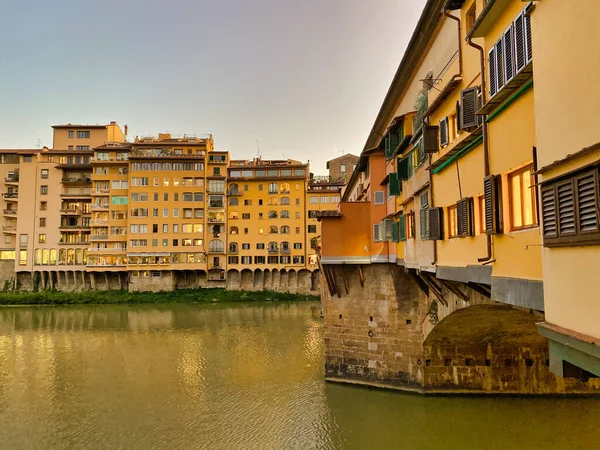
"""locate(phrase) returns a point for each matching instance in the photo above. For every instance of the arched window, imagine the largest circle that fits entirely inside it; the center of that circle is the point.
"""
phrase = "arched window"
(272, 214)
(273, 229)
(284, 201)
(272, 188)
(233, 201)
(38, 256)
(53, 256)
(79, 256)
(216, 246)
(46, 256)
(284, 188)
(285, 214)
(285, 229)
(273, 201)
(234, 230)
(273, 248)
(285, 247)
(70, 257)
(62, 256)
(85, 255)
(234, 189)
(233, 247)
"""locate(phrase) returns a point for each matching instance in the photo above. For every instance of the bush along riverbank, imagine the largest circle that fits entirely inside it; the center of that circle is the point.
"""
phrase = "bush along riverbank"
(207, 295)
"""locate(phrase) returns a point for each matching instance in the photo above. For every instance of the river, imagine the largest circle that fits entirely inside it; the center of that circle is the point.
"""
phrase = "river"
(233, 377)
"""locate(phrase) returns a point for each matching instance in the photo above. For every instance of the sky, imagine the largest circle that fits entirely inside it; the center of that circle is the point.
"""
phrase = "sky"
(304, 78)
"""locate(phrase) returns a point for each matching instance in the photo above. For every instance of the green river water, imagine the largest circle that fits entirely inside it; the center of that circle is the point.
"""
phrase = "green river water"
(184, 376)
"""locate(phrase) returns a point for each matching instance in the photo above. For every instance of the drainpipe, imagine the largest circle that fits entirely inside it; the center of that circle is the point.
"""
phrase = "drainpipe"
(450, 16)
(434, 262)
(486, 153)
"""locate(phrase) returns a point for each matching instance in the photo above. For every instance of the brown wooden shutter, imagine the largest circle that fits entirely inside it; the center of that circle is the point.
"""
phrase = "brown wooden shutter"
(509, 54)
(468, 108)
(548, 195)
(430, 139)
(434, 218)
(491, 192)
(444, 131)
(464, 217)
(499, 65)
(528, 48)
(566, 209)
(587, 202)
(520, 52)
(458, 118)
(492, 70)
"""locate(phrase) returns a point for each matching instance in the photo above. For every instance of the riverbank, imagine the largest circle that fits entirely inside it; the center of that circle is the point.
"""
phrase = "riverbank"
(207, 295)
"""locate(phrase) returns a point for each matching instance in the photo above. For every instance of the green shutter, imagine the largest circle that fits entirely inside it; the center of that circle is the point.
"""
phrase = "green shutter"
(387, 146)
(395, 232)
(394, 141)
(395, 184)
(403, 167)
(402, 228)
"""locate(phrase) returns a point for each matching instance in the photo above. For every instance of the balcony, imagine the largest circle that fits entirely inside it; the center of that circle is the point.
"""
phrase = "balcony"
(105, 191)
(73, 227)
(285, 251)
(9, 229)
(74, 243)
(76, 193)
(10, 212)
(99, 207)
(273, 251)
(10, 196)
(107, 250)
(233, 193)
(69, 210)
(98, 222)
(216, 220)
(81, 181)
(109, 160)
(12, 179)
(98, 237)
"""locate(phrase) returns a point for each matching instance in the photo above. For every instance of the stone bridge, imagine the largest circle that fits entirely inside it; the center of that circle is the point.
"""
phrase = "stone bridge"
(390, 327)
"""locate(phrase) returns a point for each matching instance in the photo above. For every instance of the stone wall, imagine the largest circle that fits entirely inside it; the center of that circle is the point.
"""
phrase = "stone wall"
(8, 278)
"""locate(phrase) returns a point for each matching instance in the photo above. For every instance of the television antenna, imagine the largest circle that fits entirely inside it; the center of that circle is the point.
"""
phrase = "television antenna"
(257, 148)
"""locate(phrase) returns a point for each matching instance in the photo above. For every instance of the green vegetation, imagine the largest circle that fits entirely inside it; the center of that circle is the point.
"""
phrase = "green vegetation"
(212, 295)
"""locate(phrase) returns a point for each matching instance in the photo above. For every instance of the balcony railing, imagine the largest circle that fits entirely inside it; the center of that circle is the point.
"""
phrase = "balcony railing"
(285, 251)
(98, 222)
(82, 242)
(9, 229)
(76, 181)
(99, 207)
(234, 193)
(98, 237)
(10, 195)
(10, 212)
(69, 227)
(13, 179)
(273, 250)
(96, 249)
(100, 191)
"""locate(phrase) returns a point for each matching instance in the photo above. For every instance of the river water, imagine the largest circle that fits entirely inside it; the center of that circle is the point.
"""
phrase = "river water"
(233, 377)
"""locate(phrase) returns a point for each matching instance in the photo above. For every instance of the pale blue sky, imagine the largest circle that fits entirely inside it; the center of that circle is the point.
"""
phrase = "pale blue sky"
(306, 78)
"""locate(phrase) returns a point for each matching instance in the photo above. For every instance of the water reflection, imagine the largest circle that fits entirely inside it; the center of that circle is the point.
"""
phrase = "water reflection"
(223, 377)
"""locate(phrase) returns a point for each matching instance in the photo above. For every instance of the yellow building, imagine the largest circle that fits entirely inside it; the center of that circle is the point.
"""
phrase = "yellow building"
(568, 160)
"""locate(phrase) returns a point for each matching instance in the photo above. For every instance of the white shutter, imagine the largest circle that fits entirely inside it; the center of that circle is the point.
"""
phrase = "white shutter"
(499, 68)
(376, 232)
(520, 53)
(492, 69)
(388, 225)
(509, 55)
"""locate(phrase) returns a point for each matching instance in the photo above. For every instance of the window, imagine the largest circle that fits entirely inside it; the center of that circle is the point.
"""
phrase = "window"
(216, 186)
(259, 260)
(464, 217)
(233, 201)
(233, 247)
(312, 228)
(233, 260)
(298, 246)
(166, 197)
(522, 199)
(245, 246)
(452, 222)
(273, 188)
(444, 136)
(247, 202)
(71, 134)
(471, 16)
(42, 221)
(343, 169)
(245, 216)
(165, 212)
(313, 200)
(569, 209)
(378, 197)
(83, 134)
(44, 189)
(22, 257)
(260, 246)
(82, 147)
(42, 238)
(284, 201)
(44, 174)
(216, 171)
(23, 240)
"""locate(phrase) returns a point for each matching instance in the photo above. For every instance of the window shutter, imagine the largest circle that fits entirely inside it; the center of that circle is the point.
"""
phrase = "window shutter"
(444, 131)
(458, 118)
(587, 202)
(492, 69)
(376, 232)
(402, 228)
(509, 55)
(491, 191)
(464, 217)
(434, 218)
(528, 47)
(424, 229)
(566, 209)
(548, 196)
(499, 68)
(379, 197)
(411, 222)
(387, 144)
(393, 144)
(520, 53)
(395, 232)
(424, 197)
(403, 168)
(388, 229)
(468, 100)
(395, 184)
(430, 139)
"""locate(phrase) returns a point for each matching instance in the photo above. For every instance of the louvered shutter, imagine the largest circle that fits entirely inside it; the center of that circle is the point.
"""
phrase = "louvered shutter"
(434, 218)
(509, 55)
(388, 229)
(499, 65)
(492, 69)
(403, 168)
(458, 118)
(464, 217)
(520, 52)
(395, 232)
(424, 229)
(444, 131)
(411, 223)
(491, 190)
(528, 48)
(387, 145)
(394, 141)
(430, 139)
(587, 202)
(469, 106)
(382, 231)
(566, 209)
(376, 232)
(395, 184)
(402, 228)
(549, 221)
